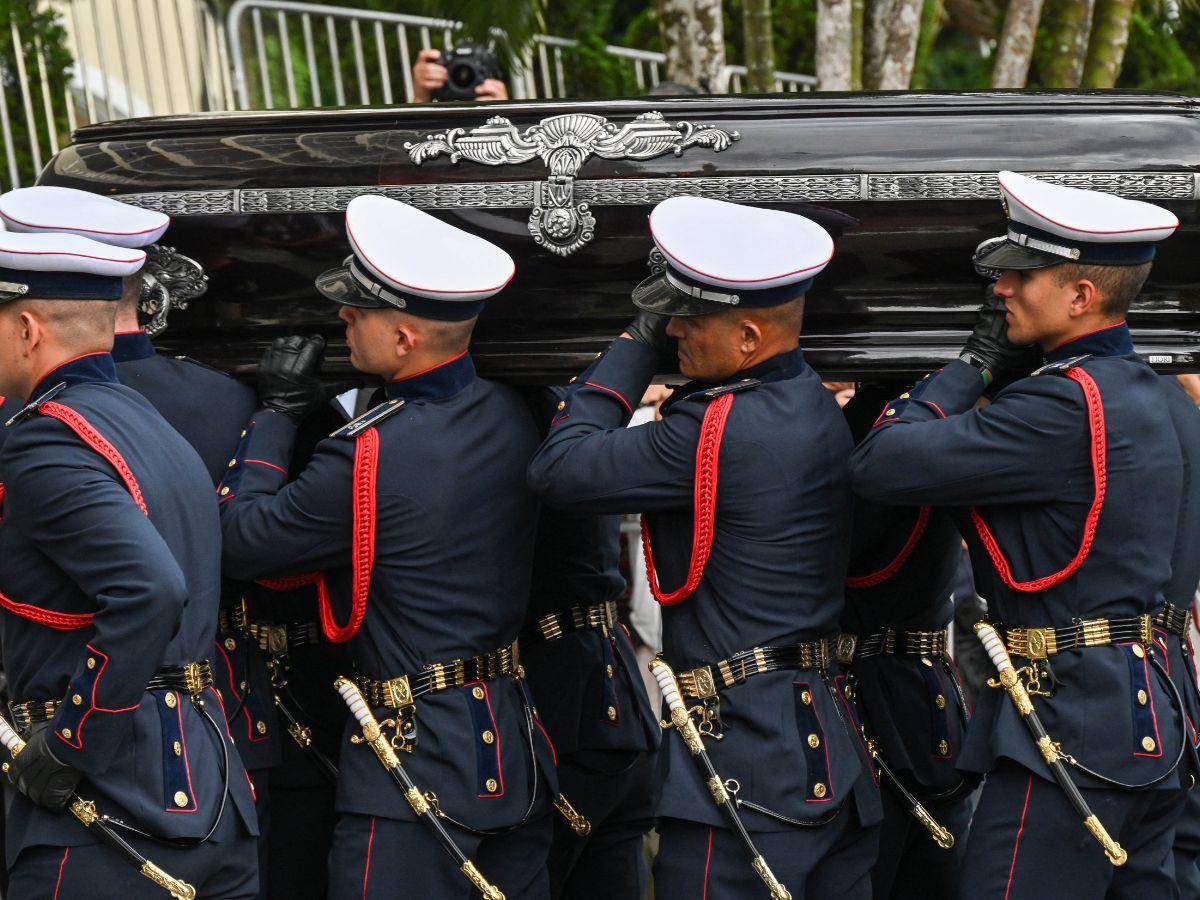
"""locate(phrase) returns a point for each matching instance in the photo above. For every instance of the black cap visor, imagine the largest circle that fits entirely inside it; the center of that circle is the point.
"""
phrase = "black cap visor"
(657, 295)
(340, 286)
(996, 255)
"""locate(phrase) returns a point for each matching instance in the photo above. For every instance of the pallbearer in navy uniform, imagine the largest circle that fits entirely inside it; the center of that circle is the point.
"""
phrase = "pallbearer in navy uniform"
(746, 504)
(418, 515)
(590, 699)
(208, 408)
(902, 570)
(110, 587)
(1068, 488)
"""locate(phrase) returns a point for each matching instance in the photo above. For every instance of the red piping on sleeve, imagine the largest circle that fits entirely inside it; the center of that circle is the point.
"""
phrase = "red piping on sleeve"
(1095, 415)
(269, 465)
(608, 390)
(890, 570)
(705, 499)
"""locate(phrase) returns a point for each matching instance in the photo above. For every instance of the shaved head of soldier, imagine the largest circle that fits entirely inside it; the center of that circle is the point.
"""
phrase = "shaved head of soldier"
(37, 336)
(394, 344)
(717, 346)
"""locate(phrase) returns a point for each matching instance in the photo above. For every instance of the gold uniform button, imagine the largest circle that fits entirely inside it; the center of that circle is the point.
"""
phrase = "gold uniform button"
(230, 644)
(1138, 651)
(169, 700)
(925, 660)
(243, 434)
(608, 670)
(181, 799)
(488, 737)
(241, 685)
(4, 767)
(66, 732)
(562, 404)
(904, 396)
(1142, 697)
(260, 727)
(814, 741)
(890, 412)
(491, 785)
(224, 491)
(77, 700)
(939, 701)
(943, 747)
(177, 748)
(612, 713)
(572, 381)
(477, 693)
(818, 790)
(849, 691)
(1148, 744)
(232, 463)
(806, 698)
(91, 663)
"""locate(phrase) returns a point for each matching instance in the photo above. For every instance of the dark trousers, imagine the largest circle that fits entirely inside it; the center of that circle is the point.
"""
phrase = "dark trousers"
(300, 834)
(614, 790)
(381, 859)
(1027, 842)
(826, 862)
(223, 868)
(1187, 847)
(260, 778)
(910, 865)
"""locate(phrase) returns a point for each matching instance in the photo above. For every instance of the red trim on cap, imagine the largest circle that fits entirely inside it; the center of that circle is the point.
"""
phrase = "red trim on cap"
(358, 250)
(69, 228)
(708, 451)
(1013, 196)
(444, 362)
(67, 253)
(674, 258)
(1095, 414)
(889, 571)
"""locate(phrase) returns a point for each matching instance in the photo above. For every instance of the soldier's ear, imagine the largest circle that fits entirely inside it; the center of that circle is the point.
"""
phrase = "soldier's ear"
(1087, 297)
(405, 343)
(29, 327)
(751, 335)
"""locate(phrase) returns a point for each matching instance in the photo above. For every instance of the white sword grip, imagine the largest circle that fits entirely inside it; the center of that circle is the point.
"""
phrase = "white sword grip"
(994, 647)
(11, 740)
(666, 683)
(354, 699)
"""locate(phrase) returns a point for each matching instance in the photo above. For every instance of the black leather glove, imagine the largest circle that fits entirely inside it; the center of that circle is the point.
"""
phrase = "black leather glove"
(989, 349)
(38, 774)
(288, 379)
(651, 329)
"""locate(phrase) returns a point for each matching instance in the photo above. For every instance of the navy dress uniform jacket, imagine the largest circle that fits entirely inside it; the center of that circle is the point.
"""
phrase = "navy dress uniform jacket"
(210, 410)
(99, 594)
(773, 576)
(453, 527)
(1067, 488)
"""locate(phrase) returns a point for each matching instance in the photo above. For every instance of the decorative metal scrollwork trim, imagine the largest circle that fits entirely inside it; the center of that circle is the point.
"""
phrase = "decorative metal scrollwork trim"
(836, 188)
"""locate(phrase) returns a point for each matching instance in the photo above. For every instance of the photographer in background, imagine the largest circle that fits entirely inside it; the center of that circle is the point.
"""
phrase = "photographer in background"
(433, 81)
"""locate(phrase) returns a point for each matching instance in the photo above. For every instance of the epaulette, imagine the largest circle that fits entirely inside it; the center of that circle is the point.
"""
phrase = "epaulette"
(372, 416)
(1061, 366)
(713, 392)
(31, 408)
(203, 365)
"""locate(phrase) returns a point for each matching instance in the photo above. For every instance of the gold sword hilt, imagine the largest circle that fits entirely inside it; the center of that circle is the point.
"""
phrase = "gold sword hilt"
(485, 887)
(177, 888)
(778, 891)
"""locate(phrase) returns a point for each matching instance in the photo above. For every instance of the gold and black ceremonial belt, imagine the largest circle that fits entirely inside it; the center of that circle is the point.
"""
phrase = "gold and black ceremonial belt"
(271, 637)
(550, 627)
(1040, 643)
(402, 691)
(191, 678)
(705, 682)
(1174, 619)
(892, 643)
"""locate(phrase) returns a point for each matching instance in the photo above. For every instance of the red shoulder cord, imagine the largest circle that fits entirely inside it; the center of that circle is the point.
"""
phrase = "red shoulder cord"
(1095, 416)
(890, 570)
(366, 466)
(62, 621)
(705, 504)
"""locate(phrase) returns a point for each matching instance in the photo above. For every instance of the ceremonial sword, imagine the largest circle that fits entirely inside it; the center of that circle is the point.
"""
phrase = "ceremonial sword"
(373, 735)
(85, 812)
(1010, 680)
(682, 720)
(940, 835)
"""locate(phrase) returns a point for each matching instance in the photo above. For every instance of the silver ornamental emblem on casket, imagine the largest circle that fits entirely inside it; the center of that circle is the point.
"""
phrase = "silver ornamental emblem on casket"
(564, 144)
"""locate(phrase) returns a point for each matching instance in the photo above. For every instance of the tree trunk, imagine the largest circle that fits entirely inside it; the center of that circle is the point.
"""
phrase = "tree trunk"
(877, 16)
(693, 37)
(858, 27)
(1106, 51)
(900, 49)
(759, 42)
(933, 17)
(835, 45)
(1015, 50)
(1068, 37)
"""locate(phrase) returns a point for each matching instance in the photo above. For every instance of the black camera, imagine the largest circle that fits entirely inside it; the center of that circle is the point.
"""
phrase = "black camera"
(467, 67)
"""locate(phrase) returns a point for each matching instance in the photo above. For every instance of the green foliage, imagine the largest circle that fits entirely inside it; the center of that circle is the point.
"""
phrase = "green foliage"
(1163, 56)
(33, 25)
(588, 70)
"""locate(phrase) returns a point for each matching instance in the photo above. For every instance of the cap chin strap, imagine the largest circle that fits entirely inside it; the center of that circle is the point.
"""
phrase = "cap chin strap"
(1033, 243)
(11, 290)
(370, 286)
(701, 293)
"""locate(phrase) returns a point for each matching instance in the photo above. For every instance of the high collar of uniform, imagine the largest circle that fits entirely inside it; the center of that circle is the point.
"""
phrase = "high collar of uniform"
(1112, 340)
(435, 383)
(131, 345)
(777, 368)
(86, 369)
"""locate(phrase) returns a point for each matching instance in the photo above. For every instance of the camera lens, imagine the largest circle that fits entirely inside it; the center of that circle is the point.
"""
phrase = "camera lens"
(462, 75)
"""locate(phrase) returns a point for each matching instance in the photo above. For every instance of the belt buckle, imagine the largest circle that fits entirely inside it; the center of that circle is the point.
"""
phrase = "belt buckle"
(704, 687)
(846, 644)
(277, 639)
(397, 692)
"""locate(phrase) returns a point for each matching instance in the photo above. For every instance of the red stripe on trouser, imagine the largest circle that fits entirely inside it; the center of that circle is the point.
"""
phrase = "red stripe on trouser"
(1017, 844)
(367, 865)
(707, 861)
(62, 865)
